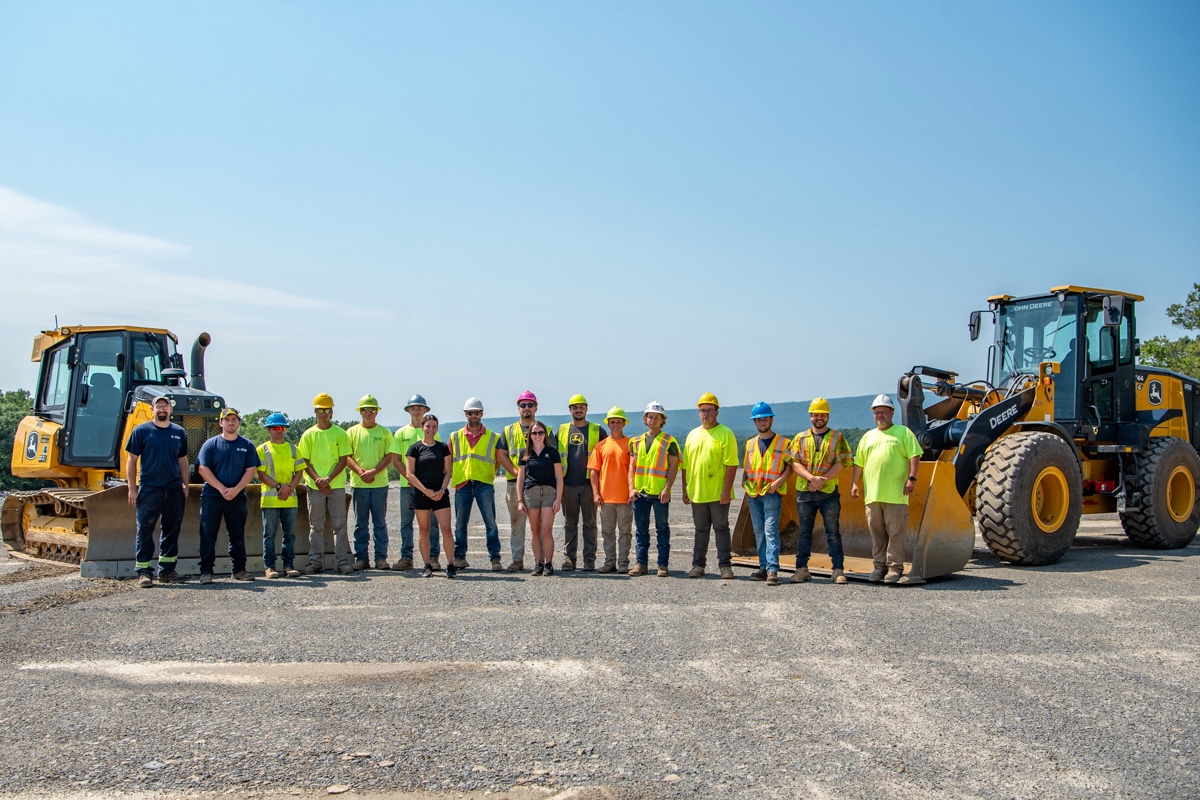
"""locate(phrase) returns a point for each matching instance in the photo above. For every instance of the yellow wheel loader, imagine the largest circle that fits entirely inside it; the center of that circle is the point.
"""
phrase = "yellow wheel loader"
(1066, 423)
(95, 385)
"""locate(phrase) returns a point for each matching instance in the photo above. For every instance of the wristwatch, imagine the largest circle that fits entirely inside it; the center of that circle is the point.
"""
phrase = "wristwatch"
(912, 478)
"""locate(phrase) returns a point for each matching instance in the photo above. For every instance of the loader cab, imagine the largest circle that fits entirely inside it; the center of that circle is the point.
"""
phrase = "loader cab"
(1030, 331)
(86, 381)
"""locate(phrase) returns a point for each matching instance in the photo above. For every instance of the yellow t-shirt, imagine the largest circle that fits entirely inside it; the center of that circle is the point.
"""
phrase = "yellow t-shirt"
(369, 446)
(883, 457)
(706, 454)
(322, 449)
(279, 456)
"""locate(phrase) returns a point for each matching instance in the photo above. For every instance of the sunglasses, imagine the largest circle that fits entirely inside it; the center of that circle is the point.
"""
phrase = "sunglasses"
(537, 433)
(526, 405)
(474, 413)
(323, 410)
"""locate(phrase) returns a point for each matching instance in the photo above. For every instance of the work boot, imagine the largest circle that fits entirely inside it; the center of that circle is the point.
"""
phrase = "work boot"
(312, 568)
(517, 566)
(270, 573)
(345, 569)
(146, 582)
(838, 576)
(242, 575)
(404, 563)
(772, 579)
(167, 577)
(291, 572)
(696, 572)
(638, 570)
(461, 563)
(607, 569)
(801, 575)
(205, 577)
(726, 573)
(893, 575)
(877, 574)
(568, 564)
(663, 573)
(382, 564)
(589, 566)
(360, 565)
(758, 575)
(436, 563)
(497, 566)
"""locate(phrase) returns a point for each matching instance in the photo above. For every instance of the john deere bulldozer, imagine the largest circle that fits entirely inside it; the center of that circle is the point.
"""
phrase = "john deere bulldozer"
(95, 384)
(1065, 423)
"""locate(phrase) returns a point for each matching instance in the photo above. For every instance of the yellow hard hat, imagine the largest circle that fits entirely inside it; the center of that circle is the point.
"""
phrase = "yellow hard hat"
(367, 401)
(616, 412)
(819, 405)
(323, 400)
(577, 400)
(708, 398)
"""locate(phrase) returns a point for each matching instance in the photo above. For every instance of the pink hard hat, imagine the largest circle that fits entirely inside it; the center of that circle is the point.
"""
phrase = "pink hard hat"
(527, 395)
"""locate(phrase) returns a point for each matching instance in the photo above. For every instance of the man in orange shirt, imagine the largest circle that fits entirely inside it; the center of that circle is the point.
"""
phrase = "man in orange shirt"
(608, 471)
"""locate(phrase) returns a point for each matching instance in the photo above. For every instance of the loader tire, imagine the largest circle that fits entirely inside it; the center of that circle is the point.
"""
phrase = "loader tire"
(1029, 497)
(1161, 509)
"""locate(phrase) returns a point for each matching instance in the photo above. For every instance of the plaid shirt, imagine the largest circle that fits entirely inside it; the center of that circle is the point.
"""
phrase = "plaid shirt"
(834, 449)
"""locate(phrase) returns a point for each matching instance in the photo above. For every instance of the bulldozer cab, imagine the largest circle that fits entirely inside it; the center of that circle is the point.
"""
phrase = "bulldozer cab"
(86, 384)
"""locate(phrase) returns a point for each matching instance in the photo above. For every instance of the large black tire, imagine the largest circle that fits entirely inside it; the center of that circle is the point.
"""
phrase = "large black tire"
(1161, 510)
(1029, 497)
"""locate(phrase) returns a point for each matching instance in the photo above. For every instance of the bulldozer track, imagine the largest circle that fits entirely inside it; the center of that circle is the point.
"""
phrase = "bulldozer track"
(63, 548)
(1144, 519)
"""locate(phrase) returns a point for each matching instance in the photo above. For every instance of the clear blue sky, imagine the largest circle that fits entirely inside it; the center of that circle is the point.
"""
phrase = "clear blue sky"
(631, 200)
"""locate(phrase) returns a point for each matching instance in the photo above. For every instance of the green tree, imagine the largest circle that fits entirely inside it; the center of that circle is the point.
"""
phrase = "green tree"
(14, 406)
(1182, 354)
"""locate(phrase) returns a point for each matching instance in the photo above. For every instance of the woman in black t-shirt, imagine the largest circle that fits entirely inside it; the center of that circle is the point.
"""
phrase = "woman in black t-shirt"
(429, 469)
(539, 494)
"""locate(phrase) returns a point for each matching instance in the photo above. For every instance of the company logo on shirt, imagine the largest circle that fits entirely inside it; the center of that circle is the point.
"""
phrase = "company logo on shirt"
(575, 438)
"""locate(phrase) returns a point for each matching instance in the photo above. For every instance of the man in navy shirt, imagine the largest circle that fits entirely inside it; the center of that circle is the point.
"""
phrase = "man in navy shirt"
(159, 491)
(227, 463)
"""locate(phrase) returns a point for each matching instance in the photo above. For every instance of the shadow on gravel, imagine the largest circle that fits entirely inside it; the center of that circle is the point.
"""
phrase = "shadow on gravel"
(498, 577)
(969, 582)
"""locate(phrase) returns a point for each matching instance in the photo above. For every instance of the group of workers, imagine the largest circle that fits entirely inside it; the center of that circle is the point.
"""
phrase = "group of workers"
(582, 470)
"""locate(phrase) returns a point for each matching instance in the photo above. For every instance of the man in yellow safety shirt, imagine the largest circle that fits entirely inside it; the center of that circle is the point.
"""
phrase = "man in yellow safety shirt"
(710, 462)
(280, 472)
(325, 449)
(370, 444)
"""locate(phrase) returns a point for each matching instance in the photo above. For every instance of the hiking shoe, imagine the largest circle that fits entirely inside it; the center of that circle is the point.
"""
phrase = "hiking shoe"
(360, 565)
(726, 573)
(893, 575)
(838, 576)
(758, 575)
(312, 568)
(517, 566)
(589, 566)
(877, 574)
(146, 582)
(270, 573)
(404, 563)
(427, 572)
(772, 579)
(291, 572)
(497, 566)
(345, 569)
(382, 564)
(242, 575)
(451, 570)
(461, 563)
(568, 565)
(801, 575)
(205, 577)
(436, 564)
(539, 569)
(663, 573)
(696, 572)
(607, 568)
(167, 577)
(548, 570)
(638, 569)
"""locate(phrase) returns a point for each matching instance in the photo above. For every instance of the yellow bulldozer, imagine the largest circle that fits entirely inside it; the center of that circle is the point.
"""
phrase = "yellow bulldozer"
(1066, 423)
(95, 385)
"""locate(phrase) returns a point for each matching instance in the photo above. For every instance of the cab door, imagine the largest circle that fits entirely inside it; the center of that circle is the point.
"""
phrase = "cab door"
(97, 404)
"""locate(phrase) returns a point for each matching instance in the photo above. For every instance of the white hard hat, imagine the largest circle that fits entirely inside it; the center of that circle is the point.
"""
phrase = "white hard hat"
(655, 407)
(883, 400)
(473, 404)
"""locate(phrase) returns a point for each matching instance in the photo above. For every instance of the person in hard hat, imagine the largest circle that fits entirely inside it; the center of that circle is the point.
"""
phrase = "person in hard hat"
(710, 462)
(539, 494)
(280, 473)
(655, 459)
(370, 455)
(157, 490)
(765, 471)
(226, 462)
(819, 455)
(325, 448)
(608, 473)
(513, 442)
(886, 462)
(576, 441)
(404, 438)
(474, 450)
(429, 466)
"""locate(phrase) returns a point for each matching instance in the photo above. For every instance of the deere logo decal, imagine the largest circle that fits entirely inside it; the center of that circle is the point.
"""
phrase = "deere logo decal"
(31, 444)
(1154, 393)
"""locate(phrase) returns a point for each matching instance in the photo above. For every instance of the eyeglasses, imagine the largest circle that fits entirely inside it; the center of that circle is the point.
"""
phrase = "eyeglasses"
(323, 410)
(537, 433)
(474, 413)
(526, 405)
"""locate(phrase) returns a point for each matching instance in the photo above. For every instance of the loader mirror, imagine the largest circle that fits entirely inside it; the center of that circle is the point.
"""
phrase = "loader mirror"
(120, 362)
(974, 323)
(1114, 306)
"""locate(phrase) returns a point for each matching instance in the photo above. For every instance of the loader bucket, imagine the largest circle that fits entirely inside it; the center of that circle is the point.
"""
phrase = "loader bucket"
(939, 541)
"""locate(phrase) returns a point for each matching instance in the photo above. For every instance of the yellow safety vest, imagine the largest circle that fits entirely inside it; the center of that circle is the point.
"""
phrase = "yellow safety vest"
(515, 437)
(270, 495)
(564, 431)
(805, 444)
(651, 463)
(476, 463)
(764, 468)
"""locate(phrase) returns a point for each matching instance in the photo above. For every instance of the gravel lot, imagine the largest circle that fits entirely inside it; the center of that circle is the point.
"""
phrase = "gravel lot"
(1077, 680)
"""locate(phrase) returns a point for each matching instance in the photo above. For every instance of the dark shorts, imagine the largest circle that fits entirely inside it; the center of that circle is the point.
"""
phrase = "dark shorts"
(421, 501)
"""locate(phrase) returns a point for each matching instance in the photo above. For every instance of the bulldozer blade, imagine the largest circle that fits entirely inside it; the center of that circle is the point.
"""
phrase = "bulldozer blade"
(939, 540)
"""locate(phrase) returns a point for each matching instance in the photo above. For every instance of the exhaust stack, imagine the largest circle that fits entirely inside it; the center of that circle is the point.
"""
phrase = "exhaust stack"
(197, 378)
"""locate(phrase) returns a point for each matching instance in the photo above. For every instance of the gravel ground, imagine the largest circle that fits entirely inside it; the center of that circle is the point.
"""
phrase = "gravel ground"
(1074, 681)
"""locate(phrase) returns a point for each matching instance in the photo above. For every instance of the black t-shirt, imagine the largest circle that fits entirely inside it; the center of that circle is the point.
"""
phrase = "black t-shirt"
(575, 470)
(539, 468)
(430, 463)
(158, 451)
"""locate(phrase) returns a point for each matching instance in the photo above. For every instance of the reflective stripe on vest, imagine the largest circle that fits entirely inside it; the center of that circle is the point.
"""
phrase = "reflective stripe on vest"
(514, 434)
(476, 463)
(269, 461)
(763, 468)
(564, 431)
(651, 464)
(816, 457)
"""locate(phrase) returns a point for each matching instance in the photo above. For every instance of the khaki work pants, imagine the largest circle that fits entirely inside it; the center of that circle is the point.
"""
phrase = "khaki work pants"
(516, 539)
(616, 517)
(888, 523)
(335, 504)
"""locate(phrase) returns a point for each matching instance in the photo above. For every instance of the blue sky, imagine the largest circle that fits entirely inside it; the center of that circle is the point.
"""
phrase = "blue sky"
(634, 201)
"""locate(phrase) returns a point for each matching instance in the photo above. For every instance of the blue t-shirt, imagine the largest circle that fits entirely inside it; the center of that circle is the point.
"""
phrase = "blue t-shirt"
(158, 451)
(228, 460)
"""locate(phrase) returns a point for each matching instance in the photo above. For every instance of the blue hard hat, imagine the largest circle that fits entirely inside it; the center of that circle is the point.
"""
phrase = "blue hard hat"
(415, 400)
(761, 410)
(275, 420)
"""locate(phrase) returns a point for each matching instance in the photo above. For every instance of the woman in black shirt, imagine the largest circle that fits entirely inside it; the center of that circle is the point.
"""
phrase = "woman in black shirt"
(429, 469)
(539, 494)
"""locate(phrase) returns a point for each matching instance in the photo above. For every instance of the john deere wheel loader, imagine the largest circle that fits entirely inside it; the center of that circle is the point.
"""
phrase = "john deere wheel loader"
(1066, 423)
(95, 384)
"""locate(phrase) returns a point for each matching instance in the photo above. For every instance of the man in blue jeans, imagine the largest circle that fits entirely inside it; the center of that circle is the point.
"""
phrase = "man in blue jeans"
(370, 445)
(818, 457)
(281, 472)
(159, 491)
(653, 462)
(473, 450)
(227, 463)
(766, 469)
